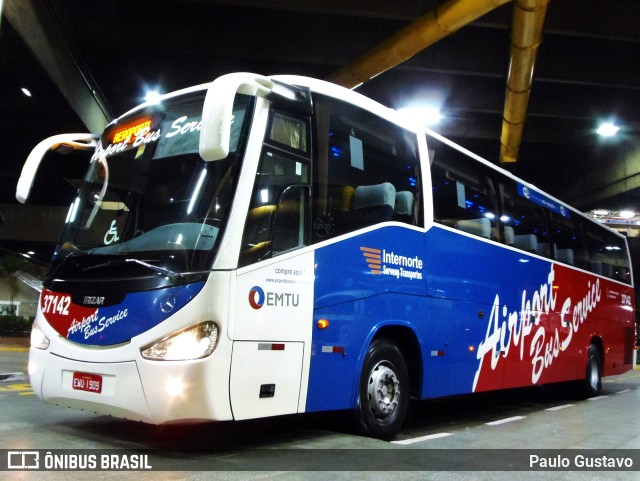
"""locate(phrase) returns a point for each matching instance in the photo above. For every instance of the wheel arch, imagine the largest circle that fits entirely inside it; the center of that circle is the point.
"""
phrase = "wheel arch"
(596, 341)
(407, 341)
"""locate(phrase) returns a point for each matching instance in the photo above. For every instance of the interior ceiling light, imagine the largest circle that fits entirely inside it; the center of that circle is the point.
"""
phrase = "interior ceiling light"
(26, 91)
(607, 129)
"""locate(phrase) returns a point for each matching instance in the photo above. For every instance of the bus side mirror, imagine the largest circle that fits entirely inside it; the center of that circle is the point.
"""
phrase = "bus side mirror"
(217, 111)
(63, 144)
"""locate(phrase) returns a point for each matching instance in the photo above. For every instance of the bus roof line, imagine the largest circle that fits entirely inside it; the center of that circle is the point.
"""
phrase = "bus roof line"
(499, 169)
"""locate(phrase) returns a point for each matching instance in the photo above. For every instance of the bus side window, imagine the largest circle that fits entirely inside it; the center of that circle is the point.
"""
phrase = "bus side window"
(277, 217)
(524, 222)
(366, 171)
(607, 254)
(289, 226)
(568, 240)
(463, 193)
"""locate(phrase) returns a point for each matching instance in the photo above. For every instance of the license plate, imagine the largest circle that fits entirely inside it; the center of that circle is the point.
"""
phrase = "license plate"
(84, 381)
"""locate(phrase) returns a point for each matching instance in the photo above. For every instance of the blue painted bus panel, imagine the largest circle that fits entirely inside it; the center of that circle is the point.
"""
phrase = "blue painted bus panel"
(487, 316)
(109, 325)
(362, 284)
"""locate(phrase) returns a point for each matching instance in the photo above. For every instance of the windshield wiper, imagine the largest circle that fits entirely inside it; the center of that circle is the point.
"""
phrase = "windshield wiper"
(174, 276)
(71, 255)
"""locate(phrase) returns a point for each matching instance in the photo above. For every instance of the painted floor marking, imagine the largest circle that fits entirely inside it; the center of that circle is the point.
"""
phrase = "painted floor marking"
(558, 408)
(506, 420)
(13, 349)
(430, 437)
(20, 389)
(422, 438)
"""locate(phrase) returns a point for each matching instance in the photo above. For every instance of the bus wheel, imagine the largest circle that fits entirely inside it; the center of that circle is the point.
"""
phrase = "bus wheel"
(593, 378)
(592, 383)
(383, 393)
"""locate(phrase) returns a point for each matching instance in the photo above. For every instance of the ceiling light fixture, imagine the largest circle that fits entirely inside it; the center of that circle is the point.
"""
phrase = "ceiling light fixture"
(153, 96)
(607, 129)
(26, 91)
(427, 116)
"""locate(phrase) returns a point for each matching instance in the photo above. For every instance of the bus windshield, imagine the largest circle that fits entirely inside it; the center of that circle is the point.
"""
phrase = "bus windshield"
(148, 198)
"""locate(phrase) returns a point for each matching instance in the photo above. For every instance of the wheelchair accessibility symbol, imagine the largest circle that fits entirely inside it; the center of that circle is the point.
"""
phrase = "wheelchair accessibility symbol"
(112, 234)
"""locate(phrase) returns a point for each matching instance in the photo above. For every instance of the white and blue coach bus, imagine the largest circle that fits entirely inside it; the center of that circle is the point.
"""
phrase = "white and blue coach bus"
(266, 246)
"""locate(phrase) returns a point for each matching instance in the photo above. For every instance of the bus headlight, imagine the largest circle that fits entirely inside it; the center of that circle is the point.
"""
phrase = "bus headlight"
(191, 343)
(38, 339)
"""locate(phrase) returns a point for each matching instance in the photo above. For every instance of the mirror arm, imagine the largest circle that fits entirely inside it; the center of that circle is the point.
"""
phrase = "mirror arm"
(217, 111)
(63, 144)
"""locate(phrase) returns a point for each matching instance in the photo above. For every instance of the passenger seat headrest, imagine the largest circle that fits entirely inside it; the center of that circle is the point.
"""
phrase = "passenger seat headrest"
(404, 203)
(374, 196)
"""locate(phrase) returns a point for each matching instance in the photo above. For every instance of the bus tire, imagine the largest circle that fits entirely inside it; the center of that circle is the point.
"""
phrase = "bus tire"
(383, 391)
(592, 383)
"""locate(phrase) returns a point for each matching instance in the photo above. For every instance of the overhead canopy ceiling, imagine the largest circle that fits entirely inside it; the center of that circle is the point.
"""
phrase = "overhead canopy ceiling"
(86, 61)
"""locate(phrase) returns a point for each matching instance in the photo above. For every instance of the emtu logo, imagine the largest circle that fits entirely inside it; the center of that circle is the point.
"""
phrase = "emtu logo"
(256, 297)
(373, 258)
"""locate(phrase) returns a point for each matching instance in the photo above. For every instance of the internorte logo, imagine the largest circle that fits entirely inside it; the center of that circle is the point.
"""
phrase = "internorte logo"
(386, 263)
(258, 298)
(373, 258)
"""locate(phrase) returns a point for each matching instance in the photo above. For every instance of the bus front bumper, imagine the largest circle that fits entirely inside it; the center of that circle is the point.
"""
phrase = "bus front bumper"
(148, 391)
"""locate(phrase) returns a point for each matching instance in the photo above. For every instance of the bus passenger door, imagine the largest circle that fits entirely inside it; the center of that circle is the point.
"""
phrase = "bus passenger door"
(272, 308)
(272, 302)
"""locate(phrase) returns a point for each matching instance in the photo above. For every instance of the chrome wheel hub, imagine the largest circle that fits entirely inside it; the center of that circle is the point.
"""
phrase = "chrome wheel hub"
(383, 391)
